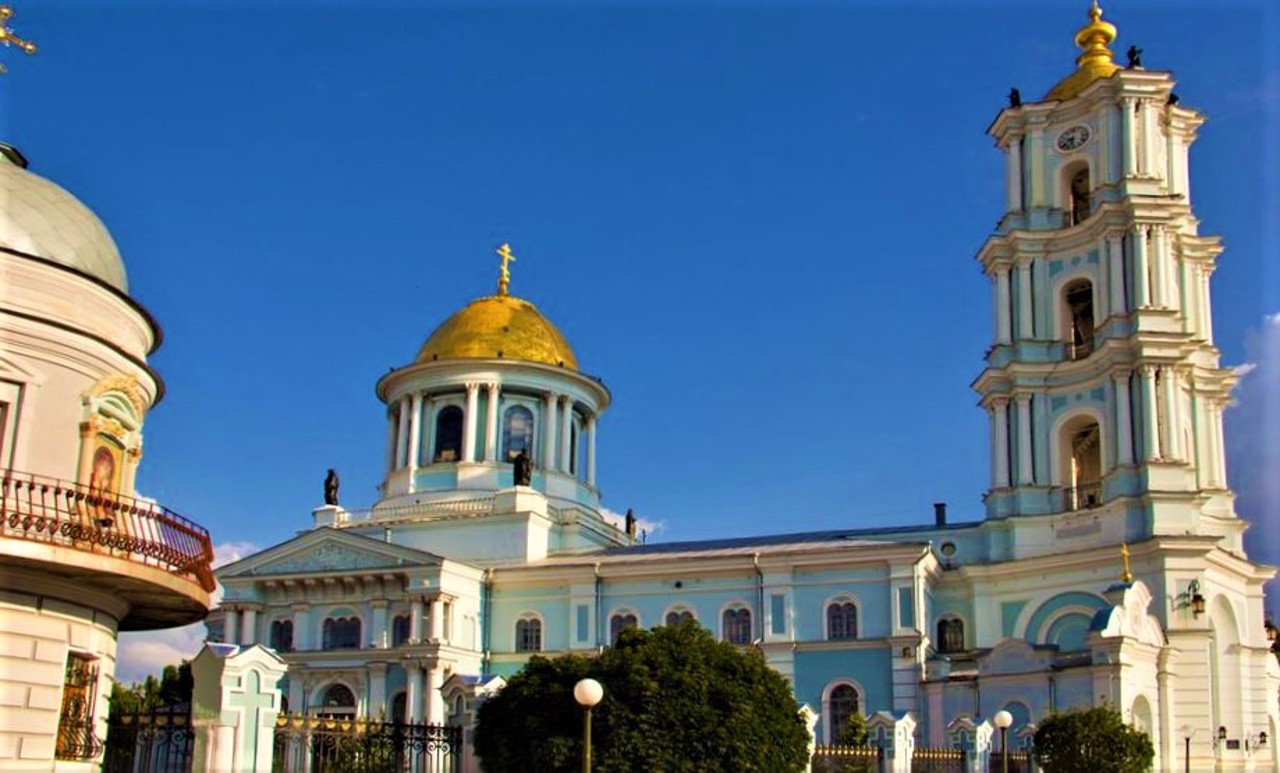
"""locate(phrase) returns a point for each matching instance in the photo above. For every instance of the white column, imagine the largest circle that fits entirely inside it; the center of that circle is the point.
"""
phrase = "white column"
(415, 429)
(415, 620)
(1150, 422)
(301, 634)
(1115, 278)
(1000, 441)
(1149, 132)
(1124, 419)
(428, 431)
(591, 451)
(1025, 329)
(1013, 175)
(1141, 276)
(566, 430)
(1159, 270)
(249, 627)
(469, 422)
(1172, 437)
(549, 403)
(1130, 147)
(402, 432)
(230, 625)
(1219, 447)
(433, 698)
(1186, 295)
(1026, 475)
(437, 619)
(413, 691)
(1206, 311)
(491, 424)
(1003, 323)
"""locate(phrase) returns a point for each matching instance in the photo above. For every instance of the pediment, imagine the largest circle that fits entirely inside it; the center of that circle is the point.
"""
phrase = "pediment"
(1014, 656)
(327, 551)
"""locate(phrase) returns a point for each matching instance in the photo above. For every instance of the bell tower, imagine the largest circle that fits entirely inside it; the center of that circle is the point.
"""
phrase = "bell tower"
(1102, 384)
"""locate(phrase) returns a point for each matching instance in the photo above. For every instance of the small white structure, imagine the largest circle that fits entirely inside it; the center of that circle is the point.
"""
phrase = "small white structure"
(235, 702)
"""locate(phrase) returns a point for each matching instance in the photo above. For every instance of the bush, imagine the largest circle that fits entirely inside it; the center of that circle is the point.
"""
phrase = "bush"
(675, 701)
(1094, 740)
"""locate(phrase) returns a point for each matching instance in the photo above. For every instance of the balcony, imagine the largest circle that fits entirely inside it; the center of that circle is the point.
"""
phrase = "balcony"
(1082, 496)
(140, 551)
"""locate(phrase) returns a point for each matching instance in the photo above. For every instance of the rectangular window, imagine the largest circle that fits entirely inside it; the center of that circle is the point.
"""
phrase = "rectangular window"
(778, 613)
(10, 400)
(76, 739)
(583, 621)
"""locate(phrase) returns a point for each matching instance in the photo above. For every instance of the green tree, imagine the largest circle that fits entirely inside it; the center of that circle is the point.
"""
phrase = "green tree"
(675, 701)
(171, 689)
(1096, 740)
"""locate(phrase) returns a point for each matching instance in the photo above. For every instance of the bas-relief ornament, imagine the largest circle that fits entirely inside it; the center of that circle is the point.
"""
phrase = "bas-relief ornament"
(327, 558)
(126, 385)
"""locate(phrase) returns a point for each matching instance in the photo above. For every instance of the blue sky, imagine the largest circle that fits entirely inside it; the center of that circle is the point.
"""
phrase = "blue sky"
(755, 221)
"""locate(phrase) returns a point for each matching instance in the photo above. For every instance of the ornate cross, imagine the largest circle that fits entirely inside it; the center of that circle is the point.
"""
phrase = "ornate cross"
(7, 36)
(504, 279)
(1127, 576)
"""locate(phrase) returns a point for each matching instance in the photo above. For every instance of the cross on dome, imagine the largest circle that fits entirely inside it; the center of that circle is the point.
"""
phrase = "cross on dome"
(8, 37)
(504, 278)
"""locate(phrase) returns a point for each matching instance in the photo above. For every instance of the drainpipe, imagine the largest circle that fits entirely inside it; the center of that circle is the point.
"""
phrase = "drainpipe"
(486, 602)
(755, 562)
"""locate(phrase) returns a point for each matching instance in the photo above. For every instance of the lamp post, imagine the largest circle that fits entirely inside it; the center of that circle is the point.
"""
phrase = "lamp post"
(1002, 720)
(587, 692)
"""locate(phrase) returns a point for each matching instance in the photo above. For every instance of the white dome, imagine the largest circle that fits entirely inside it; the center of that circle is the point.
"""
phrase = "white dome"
(39, 218)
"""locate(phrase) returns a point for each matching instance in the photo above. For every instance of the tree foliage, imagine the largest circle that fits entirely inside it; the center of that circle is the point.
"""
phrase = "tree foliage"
(173, 688)
(1096, 740)
(675, 701)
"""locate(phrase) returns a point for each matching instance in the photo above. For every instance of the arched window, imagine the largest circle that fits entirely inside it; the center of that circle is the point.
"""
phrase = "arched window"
(679, 617)
(399, 630)
(342, 633)
(842, 620)
(398, 705)
(448, 434)
(1077, 304)
(573, 448)
(1081, 454)
(282, 635)
(621, 622)
(529, 635)
(950, 635)
(842, 703)
(1079, 190)
(338, 700)
(517, 432)
(736, 623)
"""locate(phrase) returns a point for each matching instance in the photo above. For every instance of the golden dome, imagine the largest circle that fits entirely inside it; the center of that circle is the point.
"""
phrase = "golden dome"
(499, 326)
(1095, 61)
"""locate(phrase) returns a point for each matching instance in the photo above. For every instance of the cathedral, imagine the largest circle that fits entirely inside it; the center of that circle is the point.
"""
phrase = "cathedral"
(1108, 569)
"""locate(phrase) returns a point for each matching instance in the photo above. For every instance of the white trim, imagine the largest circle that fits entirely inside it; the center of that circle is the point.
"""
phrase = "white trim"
(824, 706)
(842, 597)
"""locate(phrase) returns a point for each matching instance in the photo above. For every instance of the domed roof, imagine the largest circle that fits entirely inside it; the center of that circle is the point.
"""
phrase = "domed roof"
(1095, 61)
(39, 218)
(499, 326)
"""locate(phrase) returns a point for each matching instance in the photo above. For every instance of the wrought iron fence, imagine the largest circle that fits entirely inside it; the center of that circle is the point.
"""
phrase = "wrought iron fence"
(41, 509)
(846, 759)
(160, 741)
(927, 760)
(322, 745)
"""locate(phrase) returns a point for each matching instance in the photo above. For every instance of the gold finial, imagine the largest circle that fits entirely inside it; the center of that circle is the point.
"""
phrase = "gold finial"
(1125, 576)
(7, 36)
(1095, 60)
(504, 278)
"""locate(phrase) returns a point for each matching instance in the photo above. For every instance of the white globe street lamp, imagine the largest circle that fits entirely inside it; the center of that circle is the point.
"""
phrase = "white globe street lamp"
(1002, 720)
(587, 692)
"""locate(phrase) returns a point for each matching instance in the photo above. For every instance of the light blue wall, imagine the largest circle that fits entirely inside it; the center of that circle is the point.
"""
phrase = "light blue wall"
(1036, 631)
(868, 586)
(872, 669)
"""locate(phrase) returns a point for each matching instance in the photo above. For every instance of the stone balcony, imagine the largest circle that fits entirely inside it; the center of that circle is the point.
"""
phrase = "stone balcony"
(153, 560)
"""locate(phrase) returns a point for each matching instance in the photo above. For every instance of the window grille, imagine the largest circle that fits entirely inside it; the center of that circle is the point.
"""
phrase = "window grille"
(76, 739)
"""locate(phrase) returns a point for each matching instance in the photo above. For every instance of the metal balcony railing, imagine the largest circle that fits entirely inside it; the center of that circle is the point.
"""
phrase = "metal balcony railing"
(1082, 496)
(70, 515)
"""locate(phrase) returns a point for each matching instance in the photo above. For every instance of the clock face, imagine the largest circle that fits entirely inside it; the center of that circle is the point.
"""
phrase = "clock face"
(1073, 138)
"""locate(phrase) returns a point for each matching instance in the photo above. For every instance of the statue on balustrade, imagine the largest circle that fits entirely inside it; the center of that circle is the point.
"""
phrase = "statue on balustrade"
(331, 488)
(522, 469)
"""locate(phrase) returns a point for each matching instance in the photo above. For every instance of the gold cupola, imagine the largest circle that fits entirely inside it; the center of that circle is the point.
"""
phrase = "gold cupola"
(499, 326)
(1095, 60)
